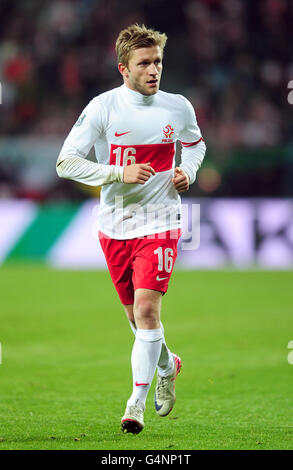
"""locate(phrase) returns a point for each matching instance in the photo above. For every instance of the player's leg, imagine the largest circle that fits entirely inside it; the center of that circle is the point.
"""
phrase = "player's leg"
(145, 355)
(166, 361)
(169, 366)
(146, 309)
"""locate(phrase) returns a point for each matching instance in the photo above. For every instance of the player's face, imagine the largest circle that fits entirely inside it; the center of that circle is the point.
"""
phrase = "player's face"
(143, 73)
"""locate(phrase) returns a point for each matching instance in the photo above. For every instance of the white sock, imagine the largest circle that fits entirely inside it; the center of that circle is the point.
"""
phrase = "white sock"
(166, 360)
(144, 359)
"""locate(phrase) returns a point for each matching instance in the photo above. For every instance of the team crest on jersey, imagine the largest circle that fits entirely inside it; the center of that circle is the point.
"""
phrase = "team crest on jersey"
(168, 133)
(80, 120)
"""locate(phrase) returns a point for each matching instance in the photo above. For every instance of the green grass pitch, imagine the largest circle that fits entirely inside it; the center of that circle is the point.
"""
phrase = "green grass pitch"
(65, 374)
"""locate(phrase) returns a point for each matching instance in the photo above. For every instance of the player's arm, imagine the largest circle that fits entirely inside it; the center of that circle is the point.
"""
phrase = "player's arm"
(193, 151)
(72, 163)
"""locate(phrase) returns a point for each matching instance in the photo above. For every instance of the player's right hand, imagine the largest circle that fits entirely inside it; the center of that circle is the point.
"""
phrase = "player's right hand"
(137, 173)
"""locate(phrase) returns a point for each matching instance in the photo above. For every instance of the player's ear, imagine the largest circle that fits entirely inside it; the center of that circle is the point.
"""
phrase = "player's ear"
(123, 70)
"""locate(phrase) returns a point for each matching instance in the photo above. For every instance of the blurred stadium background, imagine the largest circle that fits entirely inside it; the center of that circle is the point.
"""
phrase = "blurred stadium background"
(231, 58)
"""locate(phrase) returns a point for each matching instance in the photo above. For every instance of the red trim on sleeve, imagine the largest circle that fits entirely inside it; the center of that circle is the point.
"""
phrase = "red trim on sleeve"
(190, 144)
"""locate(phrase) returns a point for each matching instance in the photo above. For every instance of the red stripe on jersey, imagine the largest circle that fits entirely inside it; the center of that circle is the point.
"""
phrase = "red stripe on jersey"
(160, 156)
(190, 144)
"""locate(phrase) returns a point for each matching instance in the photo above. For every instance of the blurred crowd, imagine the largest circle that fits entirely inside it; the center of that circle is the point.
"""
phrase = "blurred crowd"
(231, 58)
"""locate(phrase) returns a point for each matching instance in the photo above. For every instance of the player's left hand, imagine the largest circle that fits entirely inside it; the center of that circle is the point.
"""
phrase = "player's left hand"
(180, 180)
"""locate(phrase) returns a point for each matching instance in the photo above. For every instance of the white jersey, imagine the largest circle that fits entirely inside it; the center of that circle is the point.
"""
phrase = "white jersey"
(127, 127)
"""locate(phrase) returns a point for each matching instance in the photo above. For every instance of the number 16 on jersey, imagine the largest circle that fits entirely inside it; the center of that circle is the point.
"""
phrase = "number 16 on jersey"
(127, 157)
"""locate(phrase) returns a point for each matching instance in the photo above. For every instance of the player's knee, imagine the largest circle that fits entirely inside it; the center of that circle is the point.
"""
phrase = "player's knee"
(146, 311)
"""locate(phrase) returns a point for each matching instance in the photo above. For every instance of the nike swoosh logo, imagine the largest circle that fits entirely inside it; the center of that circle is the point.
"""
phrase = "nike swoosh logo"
(138, 384)
(123, 133)
(158, 278)
(158, 407)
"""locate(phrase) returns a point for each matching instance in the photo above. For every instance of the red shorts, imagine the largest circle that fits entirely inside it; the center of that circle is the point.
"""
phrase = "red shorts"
(145, 262)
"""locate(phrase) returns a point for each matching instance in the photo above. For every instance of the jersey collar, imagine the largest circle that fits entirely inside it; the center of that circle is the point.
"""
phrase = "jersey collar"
(135, 97)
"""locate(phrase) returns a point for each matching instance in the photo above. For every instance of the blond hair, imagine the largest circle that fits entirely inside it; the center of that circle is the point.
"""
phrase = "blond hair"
(135, 37)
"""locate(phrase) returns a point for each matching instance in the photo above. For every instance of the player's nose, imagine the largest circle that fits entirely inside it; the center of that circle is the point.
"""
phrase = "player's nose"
(153, 70)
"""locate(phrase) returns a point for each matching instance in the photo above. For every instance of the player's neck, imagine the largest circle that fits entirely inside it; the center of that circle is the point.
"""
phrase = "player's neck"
(136, 97)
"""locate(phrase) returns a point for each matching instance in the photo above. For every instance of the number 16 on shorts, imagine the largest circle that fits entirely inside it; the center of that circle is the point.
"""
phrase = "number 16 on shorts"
(165, 259)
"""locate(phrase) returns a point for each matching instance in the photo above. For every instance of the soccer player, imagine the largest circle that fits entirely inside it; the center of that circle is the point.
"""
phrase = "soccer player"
(134, 129)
